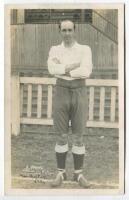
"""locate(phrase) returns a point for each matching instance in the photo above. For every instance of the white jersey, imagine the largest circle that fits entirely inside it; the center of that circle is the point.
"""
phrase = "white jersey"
(76, 54)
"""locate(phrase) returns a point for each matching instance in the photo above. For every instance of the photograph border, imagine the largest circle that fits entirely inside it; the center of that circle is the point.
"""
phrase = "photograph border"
(8, 189)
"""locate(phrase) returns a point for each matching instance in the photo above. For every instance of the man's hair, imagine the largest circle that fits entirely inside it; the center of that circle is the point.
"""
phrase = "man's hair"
(66, 20)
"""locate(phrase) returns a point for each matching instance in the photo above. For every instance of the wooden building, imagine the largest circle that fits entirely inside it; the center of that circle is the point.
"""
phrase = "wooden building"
(34, 31)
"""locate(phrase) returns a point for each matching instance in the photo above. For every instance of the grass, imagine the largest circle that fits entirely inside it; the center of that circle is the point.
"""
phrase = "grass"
(101, 163)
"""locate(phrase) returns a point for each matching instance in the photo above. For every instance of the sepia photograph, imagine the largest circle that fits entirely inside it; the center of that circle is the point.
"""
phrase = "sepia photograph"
(64, 99)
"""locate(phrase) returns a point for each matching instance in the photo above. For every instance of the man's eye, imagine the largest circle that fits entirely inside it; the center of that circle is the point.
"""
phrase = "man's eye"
(63, 30)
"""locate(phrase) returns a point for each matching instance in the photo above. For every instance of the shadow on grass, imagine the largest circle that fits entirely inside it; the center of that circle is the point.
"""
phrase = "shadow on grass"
(101, 164)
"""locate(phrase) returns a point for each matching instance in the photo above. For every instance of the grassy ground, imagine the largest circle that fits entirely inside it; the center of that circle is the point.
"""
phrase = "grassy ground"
(101, 159)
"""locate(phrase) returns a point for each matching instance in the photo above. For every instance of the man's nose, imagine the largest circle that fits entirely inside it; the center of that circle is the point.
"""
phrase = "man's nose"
(67, 32)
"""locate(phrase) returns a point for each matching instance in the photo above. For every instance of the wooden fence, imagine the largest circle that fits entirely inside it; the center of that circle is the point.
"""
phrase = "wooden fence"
(40, 118)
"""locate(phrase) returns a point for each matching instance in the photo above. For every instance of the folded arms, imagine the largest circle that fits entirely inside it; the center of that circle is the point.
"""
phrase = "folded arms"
(74, 70)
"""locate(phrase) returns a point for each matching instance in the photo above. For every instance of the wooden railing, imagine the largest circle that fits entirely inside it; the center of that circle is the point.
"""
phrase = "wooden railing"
(19, 117)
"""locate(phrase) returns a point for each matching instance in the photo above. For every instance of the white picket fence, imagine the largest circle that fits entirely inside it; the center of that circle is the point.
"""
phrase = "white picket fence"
(17, 102)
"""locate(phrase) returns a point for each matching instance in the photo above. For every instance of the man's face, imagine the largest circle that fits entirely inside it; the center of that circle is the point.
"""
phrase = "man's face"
(67, 31)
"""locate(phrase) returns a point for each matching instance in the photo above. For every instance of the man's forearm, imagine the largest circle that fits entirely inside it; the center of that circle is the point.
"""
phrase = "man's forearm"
(71, 67)
(68, 67)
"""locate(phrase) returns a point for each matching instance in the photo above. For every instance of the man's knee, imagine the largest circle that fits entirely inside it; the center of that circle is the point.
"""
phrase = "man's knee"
(62, 139)
(77, 140)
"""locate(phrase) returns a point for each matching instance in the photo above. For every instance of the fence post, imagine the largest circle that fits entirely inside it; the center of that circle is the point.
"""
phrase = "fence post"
(49, 106)
(113, 104)
(91, 103)
(102, 102)
(15, 108)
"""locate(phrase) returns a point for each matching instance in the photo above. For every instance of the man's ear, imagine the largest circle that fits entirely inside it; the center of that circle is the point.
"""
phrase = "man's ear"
(59, 26)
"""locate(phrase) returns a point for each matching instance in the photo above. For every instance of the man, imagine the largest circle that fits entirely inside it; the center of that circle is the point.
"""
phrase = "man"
(71, 64)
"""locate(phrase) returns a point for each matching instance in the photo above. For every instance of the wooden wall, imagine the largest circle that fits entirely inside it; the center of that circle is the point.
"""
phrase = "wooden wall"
(109, 14)
(30, 44)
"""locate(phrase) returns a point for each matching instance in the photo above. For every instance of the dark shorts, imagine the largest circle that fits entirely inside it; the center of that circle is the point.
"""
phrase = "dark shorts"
(70, 103)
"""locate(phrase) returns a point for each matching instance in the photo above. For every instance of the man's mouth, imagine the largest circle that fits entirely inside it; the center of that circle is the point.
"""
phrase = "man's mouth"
(67, 38)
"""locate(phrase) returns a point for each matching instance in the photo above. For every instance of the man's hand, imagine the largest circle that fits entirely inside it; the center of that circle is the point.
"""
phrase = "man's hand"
(67, 74)
(56, 60)
(71, 67)
(68, 68)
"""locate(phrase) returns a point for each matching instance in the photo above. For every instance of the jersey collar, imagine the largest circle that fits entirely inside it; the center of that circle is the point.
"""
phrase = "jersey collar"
(74, 45)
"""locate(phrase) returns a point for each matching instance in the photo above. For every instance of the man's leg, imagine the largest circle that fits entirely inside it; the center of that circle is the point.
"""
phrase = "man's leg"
(61, 150)
(78, 121)
(78, 151)
(61, 123)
